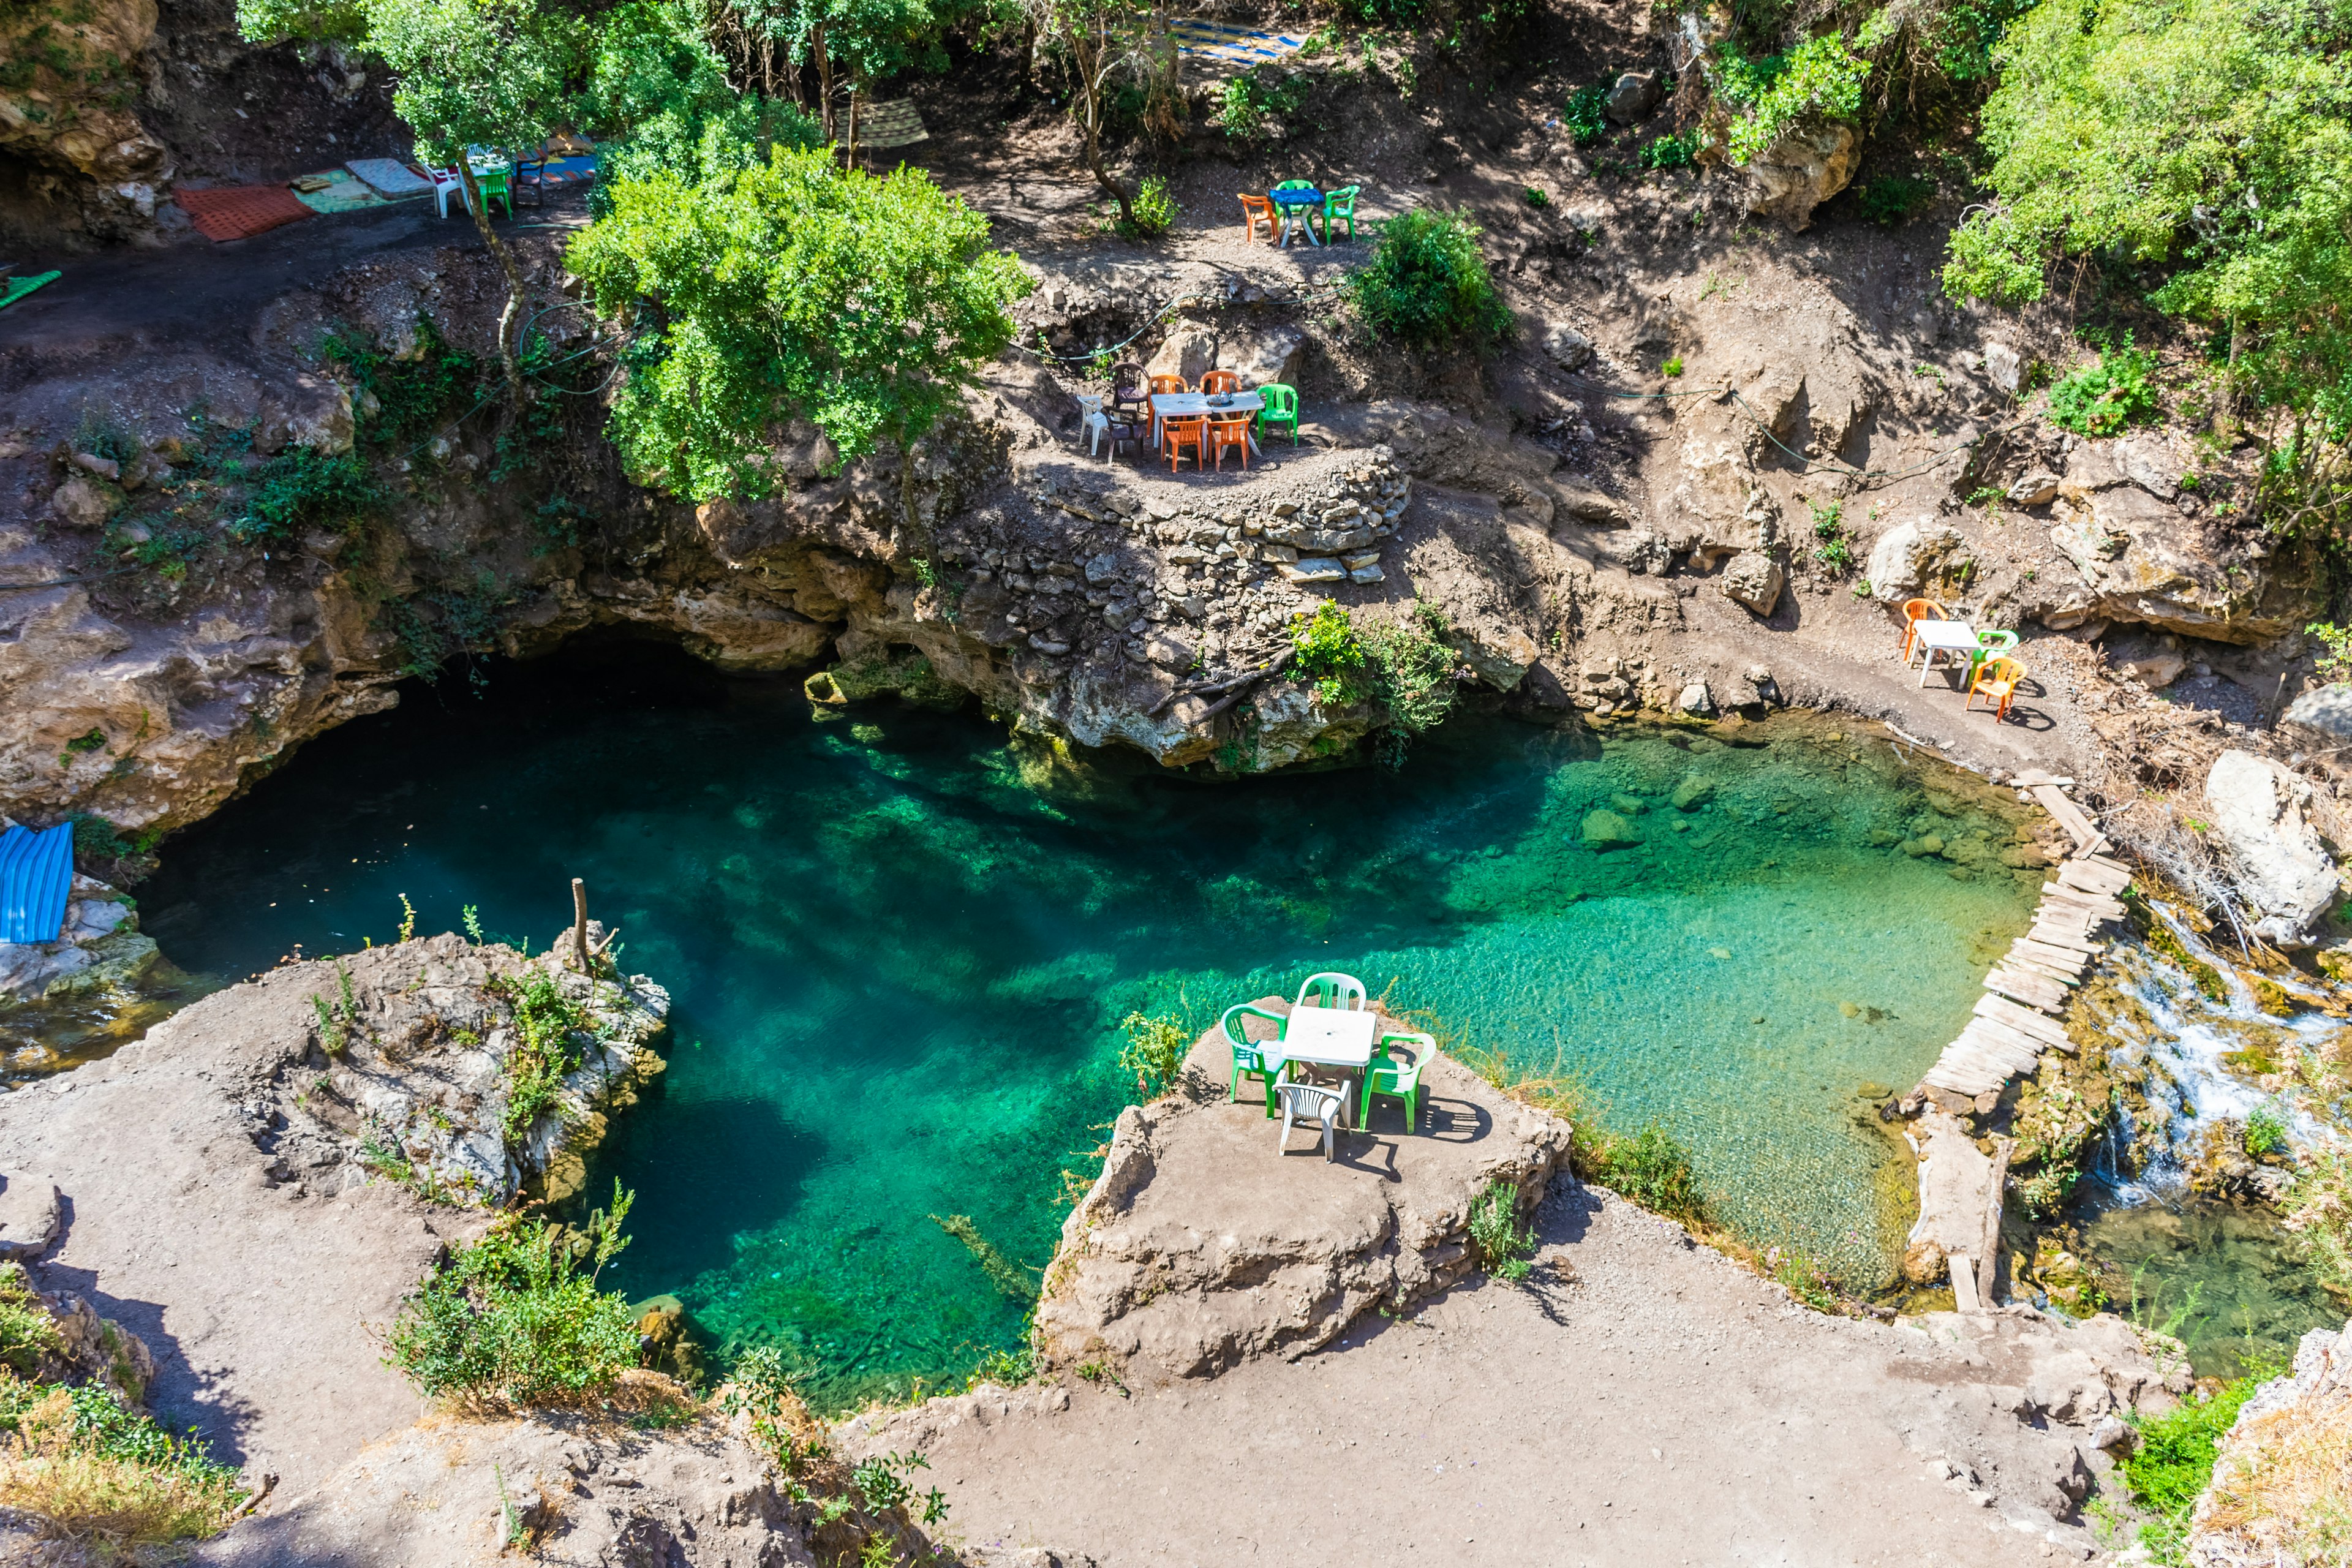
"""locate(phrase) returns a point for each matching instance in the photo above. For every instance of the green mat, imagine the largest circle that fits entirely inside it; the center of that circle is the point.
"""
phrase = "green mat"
(345, 192)
(17, 289)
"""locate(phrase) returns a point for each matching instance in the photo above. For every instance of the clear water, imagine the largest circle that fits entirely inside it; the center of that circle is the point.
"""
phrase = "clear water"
(900, 950)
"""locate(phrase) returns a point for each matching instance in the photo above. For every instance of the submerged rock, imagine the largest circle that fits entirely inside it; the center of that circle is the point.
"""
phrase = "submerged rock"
(1609, 830)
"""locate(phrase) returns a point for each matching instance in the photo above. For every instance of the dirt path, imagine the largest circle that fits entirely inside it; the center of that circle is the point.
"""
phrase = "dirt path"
(1658, 1406)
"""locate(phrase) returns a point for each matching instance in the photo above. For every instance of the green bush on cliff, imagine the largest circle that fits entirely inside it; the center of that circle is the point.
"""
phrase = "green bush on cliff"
(514, 1320)
(1427, 283)
(1326, 652)
(302, 487)
(1771, 95)
(2175, 1461)
(1503, 1244)
(89, 1469)
(788, 289)
(546, 1024)
(29, 1336)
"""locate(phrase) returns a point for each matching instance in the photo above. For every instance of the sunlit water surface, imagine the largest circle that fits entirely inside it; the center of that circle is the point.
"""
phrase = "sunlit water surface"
(900, 950)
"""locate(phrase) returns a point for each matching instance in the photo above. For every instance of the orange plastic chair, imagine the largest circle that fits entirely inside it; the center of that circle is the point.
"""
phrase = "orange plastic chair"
(1998, 678)
(1914, 612)
(1254, 210)
(1160, 384)
(1175, 434)
(1221, 381)
(1227, 433)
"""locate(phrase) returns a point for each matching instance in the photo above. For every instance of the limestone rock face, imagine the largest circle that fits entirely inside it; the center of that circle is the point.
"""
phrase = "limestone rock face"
(1904, 554)
(2260, 810)
(1198, 1247)
(66, 109)
(1754, 581)
(1801, 170)
(100, 954)
(2141, 560)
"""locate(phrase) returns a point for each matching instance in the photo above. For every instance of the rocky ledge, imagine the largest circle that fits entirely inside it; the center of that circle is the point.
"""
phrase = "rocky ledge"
(1198, 1247)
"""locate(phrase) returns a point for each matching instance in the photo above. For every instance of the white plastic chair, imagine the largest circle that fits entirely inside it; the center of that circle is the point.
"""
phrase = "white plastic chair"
(1309, 1101)
(444, 181)
(1098, 423)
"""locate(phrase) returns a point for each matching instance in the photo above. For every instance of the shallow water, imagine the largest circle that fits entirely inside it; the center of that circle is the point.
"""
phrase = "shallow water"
(2225, 1278)
(900, 951)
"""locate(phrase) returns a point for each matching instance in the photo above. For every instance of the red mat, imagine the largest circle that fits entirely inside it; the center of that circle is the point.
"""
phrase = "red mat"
(235, 212)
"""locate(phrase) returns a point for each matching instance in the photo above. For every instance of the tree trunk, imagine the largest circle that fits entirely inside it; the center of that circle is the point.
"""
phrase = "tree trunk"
(507, 362)
(2225, 409)
(852, 162)
(1091, 72)
(823, 78)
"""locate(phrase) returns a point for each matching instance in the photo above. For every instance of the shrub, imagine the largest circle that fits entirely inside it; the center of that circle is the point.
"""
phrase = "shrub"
(1427, 283)
(98, 1474)
(1587, 114)
(2103, 398)
(1411, 667)
(1676, 149)
(1155, 1051)
(511, 1319)
(29, 1336)
(2175, 1460)
(2336, 666)
(1502, 1245)
(2265, 1132)
(407, 396)
(1325, 650)
(1155, 210)
(302, 487)
(545, 1023)
(1893, 199)
(1821, 78)
(1251, 100)
(1651, 1168)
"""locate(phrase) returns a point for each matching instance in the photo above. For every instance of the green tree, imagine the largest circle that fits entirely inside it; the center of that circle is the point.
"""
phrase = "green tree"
(1427, 283)
(792, 289)
(478, 72)
(1103, 42)
(662, 99)
(2213, 140)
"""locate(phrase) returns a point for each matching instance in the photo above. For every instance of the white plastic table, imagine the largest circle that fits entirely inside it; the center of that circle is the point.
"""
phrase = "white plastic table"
(1185, 404)
(1327, 1037)
(1929, 639)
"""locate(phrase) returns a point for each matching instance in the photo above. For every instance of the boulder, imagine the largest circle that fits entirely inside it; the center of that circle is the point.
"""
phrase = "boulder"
(30, 1215)
(1632, 96)
(1609, 830)
(2260, 811)
(2036, 486)
(313, 412)
(1755, 580)
(2142, 561)
(1186, 351)
(1801, 170)
(1691, 792)
(2153, 670)
(1695, 699)
(1904, 554)
(1198, 1248)
(1500, 654)
(1566, 347)
(83, 502)
(2324, 711)
(1262, 356)
(2004, 367)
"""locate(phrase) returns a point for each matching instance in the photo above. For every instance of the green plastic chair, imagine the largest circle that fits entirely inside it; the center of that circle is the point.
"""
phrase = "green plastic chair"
(1248, 1060)
(1332, 989)
(1383, 1076)
(1281, 407)
(495, 188)
(1337, 204)
(1990, 645)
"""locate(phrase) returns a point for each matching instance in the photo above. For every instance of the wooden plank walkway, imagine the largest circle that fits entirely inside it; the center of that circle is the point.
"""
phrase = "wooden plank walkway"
(2019, 1015)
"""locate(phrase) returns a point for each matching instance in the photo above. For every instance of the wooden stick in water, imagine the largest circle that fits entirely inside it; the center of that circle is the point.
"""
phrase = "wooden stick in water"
(580, 924)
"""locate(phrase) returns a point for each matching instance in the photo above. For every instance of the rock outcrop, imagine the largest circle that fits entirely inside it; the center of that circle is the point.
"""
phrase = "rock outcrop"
(1801, 170)
(2277, 1490)
(1200, 1247)
(99, 952)
(2261, 812)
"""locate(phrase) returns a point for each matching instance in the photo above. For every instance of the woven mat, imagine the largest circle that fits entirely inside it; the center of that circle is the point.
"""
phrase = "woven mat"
(1231, 45)
(16, 288)
(891, 124)
(391, 177)
(569, 170)
(237, 211)
(344, 191)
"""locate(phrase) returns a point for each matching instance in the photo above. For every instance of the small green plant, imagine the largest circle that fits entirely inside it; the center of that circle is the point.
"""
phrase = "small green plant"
(1985, 495)
(1587, 114)
(1155, 1051)
(1671, 367)
(2265, 1132)
(549, 1024)
(2174, 1461)
(337, 1020)
(1252, 102)
(1893, 199)
(2335, 665)
(82, 745)
(1651, 1168)
(1801, 1278)
(1427, 284)
(1325, 650)
(1835, 552)
(1534, 196)
(1154, 208)
(407, 918)
(2102, 398)
(471, 917)
(29, 1336)
(1676, 149)
(1504, 1245)
(514, 1319)
(302, 489)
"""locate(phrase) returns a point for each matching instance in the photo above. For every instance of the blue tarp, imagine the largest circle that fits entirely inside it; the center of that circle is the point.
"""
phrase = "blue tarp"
(36, 875)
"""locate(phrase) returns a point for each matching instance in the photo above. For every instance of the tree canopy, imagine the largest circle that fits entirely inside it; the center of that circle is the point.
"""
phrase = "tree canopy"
(2211, 137)
(790, 289)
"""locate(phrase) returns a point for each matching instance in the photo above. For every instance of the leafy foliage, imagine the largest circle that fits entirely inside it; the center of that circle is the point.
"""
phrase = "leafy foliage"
(409, 396)
(662, 96)
(1651, 1168)
(1772, 95)
(2265, 1132)
(2335, 664)
(1257, 97)
(1587, 114)
(1676, 149)
(476, 71)
(547, 1023)
(1427, 283)
(302, 488)
(29, 1336)
(1504, 1245)
(1412, 668)
(96, 1472)
(791, 288)
(1155, 1051)
(1892, 200)
(1153, 211)
(2102, 398)
(512, 1319)
(2175, 1457)
(1325, 650)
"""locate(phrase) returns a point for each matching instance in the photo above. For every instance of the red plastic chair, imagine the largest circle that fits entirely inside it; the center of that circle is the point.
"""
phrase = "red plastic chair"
(1215, 381)
(1256, 210)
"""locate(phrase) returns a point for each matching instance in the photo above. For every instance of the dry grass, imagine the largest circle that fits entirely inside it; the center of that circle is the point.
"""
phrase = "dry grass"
(116, 1508)
(2284, 1489)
